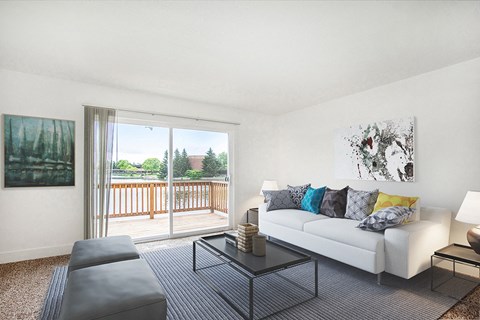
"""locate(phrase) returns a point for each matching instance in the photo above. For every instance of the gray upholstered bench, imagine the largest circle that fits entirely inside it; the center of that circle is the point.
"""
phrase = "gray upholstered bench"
(93, 252)
(117, 291)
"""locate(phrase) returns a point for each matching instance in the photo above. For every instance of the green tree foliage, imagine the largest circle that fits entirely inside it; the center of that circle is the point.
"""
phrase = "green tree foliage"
(123, 164)
(211, 165)
(194, 174)
(185, 162)
(180, 163)
(177, 164)
(164, 168)
(152, 164)
(223, 159)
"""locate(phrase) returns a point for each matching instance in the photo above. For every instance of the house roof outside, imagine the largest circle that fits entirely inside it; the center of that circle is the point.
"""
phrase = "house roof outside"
(196, 162)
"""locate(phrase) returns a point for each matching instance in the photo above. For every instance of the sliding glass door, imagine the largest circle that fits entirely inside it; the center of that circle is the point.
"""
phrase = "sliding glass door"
(200, 180)
(139, 191)
(168, 181)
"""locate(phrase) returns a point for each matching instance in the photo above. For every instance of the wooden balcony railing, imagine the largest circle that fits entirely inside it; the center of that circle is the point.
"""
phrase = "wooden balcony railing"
(150, 198)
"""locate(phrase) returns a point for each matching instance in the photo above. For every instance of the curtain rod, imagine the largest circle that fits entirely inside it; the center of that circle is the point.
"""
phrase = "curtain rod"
(168, 115)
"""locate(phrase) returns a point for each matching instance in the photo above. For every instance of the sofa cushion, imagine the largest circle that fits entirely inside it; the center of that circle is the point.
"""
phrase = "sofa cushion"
(385, 218)
(345, 231)
(93, 252)
(297, 193)
(385, 200)
(360, 203)
(294, 219)
(334, 203)
(278, 199)
(120, 290)
(312, 199)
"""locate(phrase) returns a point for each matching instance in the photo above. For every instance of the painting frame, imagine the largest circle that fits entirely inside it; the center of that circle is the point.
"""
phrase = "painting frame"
(38, 152)
(379, 151)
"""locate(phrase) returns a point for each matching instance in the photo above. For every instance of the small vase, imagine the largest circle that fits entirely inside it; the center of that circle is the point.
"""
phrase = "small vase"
(259, 245)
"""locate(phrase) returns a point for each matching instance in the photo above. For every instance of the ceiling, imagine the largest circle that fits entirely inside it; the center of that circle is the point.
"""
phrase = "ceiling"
(267, 56)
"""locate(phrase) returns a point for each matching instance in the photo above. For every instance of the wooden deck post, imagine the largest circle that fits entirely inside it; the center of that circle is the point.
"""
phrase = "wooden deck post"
(210, 196)
(152, 200)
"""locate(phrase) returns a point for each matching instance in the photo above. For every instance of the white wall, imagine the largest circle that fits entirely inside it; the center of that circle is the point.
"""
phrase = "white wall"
(446, 105)
(39, 222)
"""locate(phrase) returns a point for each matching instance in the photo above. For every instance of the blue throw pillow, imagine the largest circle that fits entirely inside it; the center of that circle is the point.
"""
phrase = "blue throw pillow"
(312, 199)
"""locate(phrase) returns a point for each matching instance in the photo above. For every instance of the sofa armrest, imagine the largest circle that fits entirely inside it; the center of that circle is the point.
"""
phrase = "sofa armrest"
(408, 248)
(439, 215)
(262, 209)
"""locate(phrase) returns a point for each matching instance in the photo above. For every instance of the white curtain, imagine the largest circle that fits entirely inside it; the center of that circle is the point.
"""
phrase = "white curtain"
(99, 133)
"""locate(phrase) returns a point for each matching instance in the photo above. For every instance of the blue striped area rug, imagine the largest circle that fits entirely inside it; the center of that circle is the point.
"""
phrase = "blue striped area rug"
(344, 292)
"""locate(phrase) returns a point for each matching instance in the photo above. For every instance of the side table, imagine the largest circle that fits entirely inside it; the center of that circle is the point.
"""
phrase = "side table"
(252, 216)
(456, 253)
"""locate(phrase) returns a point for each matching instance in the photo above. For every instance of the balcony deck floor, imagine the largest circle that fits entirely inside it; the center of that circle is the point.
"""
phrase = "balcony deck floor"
(140, 227)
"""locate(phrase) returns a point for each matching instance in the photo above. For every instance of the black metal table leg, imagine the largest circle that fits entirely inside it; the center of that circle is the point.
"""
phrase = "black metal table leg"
(316, 278)
(194, 256)
(431, 273)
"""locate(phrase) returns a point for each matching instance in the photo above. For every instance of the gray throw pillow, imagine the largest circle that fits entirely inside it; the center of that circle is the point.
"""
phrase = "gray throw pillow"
(385, 218)
(360, 203)
(277, 200)
(334, 203)
(297, 193)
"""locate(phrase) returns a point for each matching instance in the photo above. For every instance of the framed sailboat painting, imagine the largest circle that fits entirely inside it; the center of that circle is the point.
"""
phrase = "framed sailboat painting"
(38, 152)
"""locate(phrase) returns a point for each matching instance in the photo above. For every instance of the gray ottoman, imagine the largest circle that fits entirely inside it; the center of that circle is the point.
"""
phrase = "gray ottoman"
(123, 290)
(93, 252)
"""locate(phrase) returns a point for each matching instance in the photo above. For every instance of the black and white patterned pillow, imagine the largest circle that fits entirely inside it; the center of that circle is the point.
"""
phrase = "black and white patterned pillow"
(385, 218)
(278, 199)
(334, 203)
(297, 193)
(360, 203)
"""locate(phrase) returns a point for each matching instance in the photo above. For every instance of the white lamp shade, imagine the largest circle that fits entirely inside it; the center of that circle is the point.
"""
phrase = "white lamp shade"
(470, 209)
(269, 185)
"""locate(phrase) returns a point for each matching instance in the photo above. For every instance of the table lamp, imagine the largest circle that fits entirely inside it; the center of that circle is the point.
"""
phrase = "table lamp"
(268, 185)
(470, 213)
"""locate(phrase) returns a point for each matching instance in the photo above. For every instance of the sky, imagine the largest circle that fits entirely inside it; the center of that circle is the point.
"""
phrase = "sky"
(137, 143)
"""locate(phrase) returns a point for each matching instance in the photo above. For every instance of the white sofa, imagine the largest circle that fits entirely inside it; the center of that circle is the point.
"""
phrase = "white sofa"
(403, 251)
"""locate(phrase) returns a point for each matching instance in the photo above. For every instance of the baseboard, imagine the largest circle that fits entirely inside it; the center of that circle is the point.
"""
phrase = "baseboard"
(35, 253)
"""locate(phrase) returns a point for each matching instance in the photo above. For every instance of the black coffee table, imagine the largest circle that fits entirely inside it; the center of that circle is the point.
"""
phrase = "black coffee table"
(278, 257)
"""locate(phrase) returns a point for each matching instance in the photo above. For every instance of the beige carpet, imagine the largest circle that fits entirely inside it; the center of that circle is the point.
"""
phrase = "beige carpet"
(23, 286)
(467, 308)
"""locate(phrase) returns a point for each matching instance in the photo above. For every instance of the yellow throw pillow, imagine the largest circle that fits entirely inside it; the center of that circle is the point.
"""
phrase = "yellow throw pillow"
(388, 200)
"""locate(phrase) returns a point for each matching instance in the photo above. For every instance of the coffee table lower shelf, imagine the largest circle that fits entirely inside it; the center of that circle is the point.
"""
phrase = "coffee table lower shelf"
(247, 267)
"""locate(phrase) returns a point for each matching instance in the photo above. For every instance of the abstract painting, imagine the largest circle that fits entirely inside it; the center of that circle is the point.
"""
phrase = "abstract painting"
(382, 151)
(38, 152)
